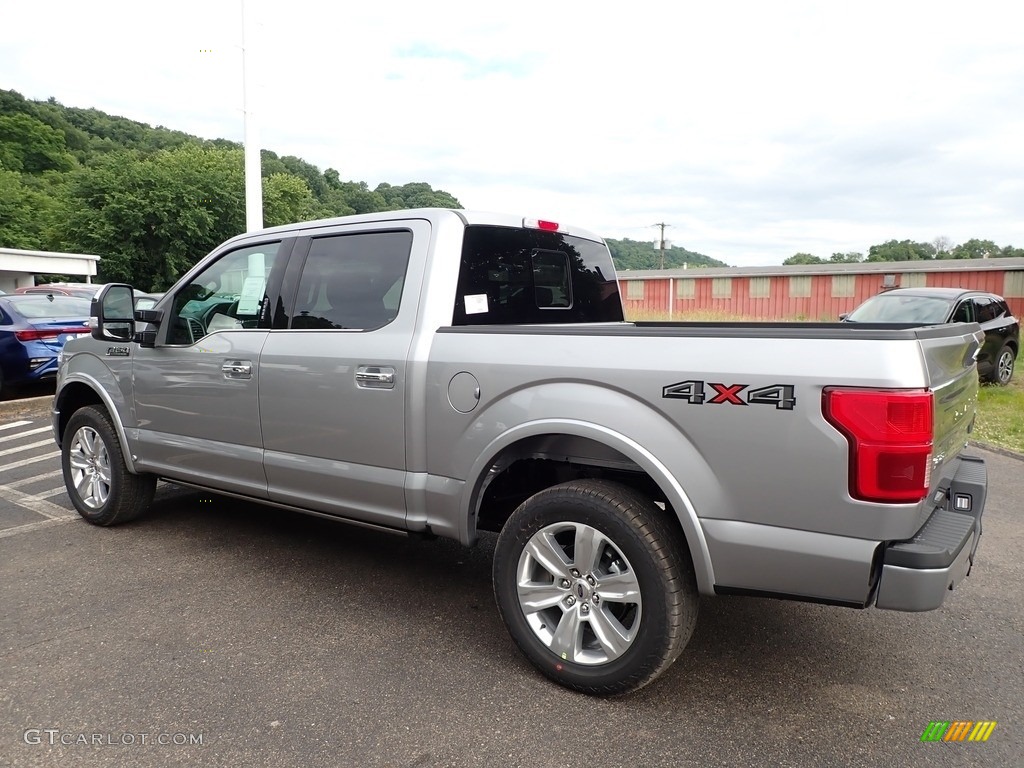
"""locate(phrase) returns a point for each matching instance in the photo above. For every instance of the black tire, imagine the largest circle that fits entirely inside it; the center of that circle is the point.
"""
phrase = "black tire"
(91, 456)
(1003, 370)
(630, 541)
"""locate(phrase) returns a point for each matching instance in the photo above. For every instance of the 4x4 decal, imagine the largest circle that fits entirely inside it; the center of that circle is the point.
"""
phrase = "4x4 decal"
(782, 396)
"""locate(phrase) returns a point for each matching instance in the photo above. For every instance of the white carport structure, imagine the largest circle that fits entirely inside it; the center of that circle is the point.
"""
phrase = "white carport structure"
(18, 268)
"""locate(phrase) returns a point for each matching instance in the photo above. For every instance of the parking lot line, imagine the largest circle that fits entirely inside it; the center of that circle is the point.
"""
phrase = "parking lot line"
(33, 460)
(21, 448)
(33, 503)
(36, 526)
(14, 424)
(49, 494)
(9, 438)
(34, 479)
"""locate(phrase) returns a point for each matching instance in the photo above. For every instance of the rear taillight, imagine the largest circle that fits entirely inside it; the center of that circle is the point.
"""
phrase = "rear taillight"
(40, 334)
(890, 435)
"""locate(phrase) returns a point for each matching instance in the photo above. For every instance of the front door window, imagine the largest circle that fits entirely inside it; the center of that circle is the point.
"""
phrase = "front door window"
(230, 294)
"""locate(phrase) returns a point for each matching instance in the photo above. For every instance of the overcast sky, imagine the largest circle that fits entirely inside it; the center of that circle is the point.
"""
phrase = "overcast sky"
(755, 129)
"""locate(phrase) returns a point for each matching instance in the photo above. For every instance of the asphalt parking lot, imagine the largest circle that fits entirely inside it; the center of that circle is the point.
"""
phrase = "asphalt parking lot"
(225, 634)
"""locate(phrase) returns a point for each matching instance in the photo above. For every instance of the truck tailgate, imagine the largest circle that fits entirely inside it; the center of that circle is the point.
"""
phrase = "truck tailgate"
(952, 377)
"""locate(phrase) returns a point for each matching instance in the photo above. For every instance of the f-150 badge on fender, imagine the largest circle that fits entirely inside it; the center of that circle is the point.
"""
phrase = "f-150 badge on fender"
(782, 396)
(118, 351)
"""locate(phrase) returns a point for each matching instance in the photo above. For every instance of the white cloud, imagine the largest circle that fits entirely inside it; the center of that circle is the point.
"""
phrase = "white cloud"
(756, 129)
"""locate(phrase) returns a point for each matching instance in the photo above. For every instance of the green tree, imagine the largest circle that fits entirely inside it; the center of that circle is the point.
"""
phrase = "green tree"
(151, 218)
(901, 250)
(31, 146)
(803, 258)
(287, 199)
(975, 249)
(415, 195)
(25, 213)
(309, 173)
(850, 257)
(358, 198)
(270, 164)
(1010, 251)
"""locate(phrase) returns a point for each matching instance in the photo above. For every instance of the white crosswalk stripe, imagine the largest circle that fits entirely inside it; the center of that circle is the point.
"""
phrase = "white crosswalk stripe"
(7, 532)
(9, 438)
(32, 493)
(33, 502)
(29, 446)
(34, 479)
(25, 462)
(50, 494)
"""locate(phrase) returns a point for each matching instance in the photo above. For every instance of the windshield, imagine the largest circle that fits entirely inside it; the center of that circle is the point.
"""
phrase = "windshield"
(36, 307)
(896, 308)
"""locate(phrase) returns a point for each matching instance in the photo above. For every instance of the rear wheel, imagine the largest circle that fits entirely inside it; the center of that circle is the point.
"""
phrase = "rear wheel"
(95, 474)
(596, 586)
(1004, 366)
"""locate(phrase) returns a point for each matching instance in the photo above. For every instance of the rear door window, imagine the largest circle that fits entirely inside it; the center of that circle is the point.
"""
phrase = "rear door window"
(985, 310)
(352, 281)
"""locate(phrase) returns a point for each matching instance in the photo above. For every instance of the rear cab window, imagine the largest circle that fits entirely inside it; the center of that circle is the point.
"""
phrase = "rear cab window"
(510, 275)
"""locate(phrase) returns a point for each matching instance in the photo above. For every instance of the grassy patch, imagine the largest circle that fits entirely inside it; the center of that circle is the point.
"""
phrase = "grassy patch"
(1001, 415)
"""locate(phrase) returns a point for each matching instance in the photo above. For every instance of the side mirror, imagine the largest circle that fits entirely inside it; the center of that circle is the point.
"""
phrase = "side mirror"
(113, 312)
(843, 316)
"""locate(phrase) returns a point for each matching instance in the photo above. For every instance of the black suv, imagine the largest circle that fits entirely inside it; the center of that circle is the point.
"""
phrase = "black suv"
(932, 306)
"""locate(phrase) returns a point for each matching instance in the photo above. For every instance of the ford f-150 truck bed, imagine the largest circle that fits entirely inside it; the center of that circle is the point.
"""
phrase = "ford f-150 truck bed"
(444, 373)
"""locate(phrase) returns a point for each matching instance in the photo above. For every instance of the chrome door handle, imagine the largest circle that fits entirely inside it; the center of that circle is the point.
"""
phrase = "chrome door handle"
(237, 369)
(375, 377)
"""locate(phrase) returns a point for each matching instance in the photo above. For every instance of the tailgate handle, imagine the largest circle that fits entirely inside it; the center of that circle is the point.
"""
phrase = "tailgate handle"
(973, 350)
(375, 377)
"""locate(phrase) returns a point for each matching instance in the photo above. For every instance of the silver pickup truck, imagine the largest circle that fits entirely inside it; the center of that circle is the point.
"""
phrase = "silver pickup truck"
(444, 373)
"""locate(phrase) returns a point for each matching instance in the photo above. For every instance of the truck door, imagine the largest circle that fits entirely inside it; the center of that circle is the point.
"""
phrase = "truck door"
(333, 377)
(196, 391)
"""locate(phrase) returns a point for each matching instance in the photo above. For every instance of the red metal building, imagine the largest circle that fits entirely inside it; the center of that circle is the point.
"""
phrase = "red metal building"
(806, 291)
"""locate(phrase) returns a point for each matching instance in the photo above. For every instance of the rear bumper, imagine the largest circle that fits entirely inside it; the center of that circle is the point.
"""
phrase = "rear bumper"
(917, 573)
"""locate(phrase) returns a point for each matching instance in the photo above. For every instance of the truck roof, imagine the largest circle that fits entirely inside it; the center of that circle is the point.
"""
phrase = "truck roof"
(486, 218)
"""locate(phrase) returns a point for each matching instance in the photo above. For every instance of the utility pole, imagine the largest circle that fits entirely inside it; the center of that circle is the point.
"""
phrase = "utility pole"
(253, 175)
(661, 241)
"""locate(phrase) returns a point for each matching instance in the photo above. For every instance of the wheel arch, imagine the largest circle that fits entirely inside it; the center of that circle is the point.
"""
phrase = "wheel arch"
(561, 449)
(80, 390)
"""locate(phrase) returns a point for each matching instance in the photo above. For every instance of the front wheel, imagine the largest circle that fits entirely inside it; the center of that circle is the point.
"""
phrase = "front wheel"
(95, 474)
(596, 586)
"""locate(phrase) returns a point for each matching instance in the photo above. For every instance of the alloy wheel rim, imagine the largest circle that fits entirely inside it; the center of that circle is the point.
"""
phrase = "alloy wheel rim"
(90, 467)
(579, 594)
(1005, 367)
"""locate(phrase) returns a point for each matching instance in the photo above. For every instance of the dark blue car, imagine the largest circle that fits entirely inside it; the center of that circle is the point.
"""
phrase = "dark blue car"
(33, 329)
